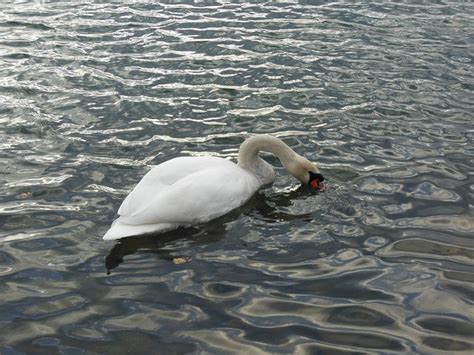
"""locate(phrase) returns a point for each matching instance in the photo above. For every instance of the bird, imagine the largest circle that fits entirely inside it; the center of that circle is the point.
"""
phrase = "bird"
(187, 191)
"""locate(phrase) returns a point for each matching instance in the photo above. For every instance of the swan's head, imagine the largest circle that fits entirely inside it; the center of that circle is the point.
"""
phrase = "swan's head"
(307, 172)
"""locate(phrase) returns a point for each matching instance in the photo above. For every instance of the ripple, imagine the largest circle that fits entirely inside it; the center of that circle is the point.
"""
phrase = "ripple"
(34, 206)
(429, 191)
(447, 344)
(51, 180)
(429, 248)
(92, 95)
(53, 307)
(359, 316)
(222, 340)
(255, 112)
(445, 325)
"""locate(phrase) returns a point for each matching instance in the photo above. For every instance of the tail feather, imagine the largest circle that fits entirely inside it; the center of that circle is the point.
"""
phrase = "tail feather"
(120, 230)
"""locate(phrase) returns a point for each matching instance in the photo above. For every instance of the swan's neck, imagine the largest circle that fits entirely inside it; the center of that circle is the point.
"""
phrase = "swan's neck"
(248, 153)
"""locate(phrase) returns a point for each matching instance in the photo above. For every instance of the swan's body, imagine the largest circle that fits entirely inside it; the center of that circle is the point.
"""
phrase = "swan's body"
(190, 190)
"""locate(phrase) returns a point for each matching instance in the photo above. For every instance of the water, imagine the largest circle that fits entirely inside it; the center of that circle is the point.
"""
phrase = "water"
(380, 95)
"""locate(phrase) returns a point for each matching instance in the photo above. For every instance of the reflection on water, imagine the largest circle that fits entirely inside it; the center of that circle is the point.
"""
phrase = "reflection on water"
(380, 95)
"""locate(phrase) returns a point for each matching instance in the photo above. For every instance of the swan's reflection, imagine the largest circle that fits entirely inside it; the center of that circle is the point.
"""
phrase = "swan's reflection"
(162, 244)
(261, 206)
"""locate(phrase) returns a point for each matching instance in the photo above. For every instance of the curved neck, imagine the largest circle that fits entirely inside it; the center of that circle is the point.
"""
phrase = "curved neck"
(248, 152)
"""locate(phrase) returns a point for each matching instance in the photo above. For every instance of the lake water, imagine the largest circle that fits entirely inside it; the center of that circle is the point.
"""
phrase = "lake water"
(380, 96)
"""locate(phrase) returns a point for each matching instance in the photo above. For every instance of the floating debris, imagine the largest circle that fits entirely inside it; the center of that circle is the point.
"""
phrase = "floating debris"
(179, 261)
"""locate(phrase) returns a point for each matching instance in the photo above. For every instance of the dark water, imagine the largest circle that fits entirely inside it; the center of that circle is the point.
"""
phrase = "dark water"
(380, 95)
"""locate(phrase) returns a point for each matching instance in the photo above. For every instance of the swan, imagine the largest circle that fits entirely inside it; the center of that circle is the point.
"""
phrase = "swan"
(186, 191)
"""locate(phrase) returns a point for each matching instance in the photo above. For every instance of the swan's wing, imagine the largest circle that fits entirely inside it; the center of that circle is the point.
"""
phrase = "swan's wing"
(197, 197)
(161, 177)
(150, 185)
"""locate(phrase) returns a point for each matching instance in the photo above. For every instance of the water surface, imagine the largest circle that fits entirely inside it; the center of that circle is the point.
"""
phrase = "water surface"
(380, 95)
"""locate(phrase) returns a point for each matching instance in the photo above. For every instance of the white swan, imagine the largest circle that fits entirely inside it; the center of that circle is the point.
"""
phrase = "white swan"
(190, 190)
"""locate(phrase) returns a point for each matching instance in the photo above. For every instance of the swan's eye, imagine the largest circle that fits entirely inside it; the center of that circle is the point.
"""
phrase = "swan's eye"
(315, 180)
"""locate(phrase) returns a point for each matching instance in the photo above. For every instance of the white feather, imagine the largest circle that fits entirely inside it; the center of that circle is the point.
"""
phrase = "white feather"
(191, 190)
(182, 192)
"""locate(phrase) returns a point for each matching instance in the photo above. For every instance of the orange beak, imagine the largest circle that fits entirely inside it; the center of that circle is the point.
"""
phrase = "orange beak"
(318, 185)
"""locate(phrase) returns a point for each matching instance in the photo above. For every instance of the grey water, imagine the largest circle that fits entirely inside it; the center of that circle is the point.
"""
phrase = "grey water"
(379, 95)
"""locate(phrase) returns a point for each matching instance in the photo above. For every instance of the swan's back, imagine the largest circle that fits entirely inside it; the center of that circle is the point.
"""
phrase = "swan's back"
(163, 176)
(181, 192)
